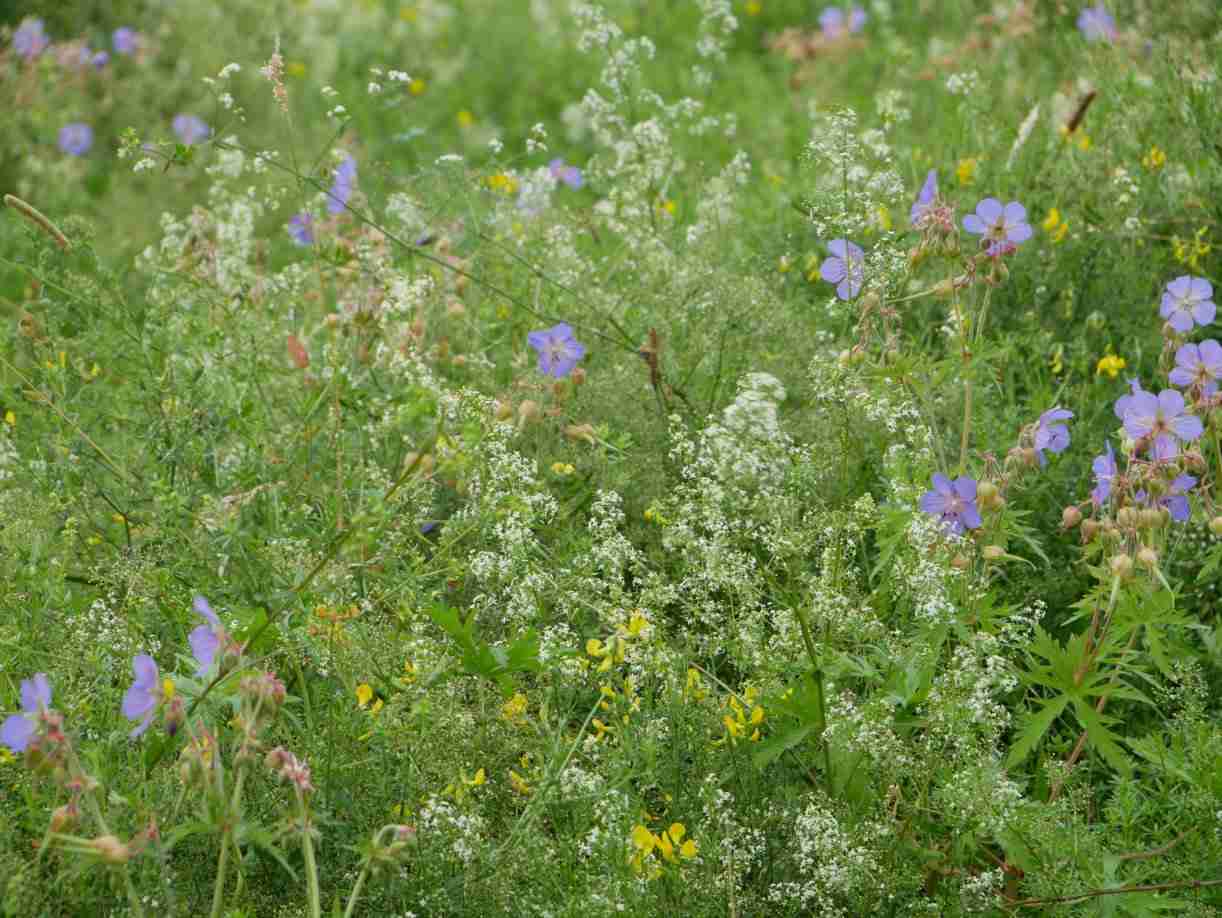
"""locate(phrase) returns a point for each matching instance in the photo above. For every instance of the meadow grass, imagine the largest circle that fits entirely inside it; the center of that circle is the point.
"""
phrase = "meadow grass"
(563, 458)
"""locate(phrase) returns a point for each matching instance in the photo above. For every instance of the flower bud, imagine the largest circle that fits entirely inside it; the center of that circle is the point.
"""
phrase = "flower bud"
(455, 309)
(993, 552)
(1150, 517)
(581, 432)
(458, 360)
(503, 410)
(1147, 557)
(1215, 526)
(960, 562)
(1127, 517)
(870, 302)
(986, 491)
(1090, 528)
(578, 376)
(528, 411)
(64, 817)
(111, 850)
(1071, 516)
(1122, 566)
(558, 389)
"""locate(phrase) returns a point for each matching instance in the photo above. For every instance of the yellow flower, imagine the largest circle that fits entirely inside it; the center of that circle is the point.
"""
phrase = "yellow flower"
(514, 710)
(518, 784)
(1189, 252)
(965, 172)
(667, 207)
(10, 419)
(167, 688)
(1054, 226)
(1155, 159)
(594, 647)
(562, 468)
(884, 218)
(642, 839)
(637, 623)
(504, 183)
(416, 87)
(784, 263)
(1109, 364)
(364, 693)
(1078, 137)
(753, 8)
(477, 779)
(465, 119)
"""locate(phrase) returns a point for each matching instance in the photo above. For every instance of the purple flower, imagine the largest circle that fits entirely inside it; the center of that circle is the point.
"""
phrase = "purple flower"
(301, 228)
(1096, 24)
(563, 172)
(144, 694)
(832, 21)
(125, 40)
(924, 201)
(1105, 470)
(1003, 228)
(1198, 365)
(844, 268)
(19, 729)
(1122, 403)
(953, 501)
(1186, 299)
(190, 129)
(205, 640)
(558, 350)
(1050, 434)
(341, 187)
(30, 39)
(75, 139)
(1176, 499)
(1161, 418)
(100, 59)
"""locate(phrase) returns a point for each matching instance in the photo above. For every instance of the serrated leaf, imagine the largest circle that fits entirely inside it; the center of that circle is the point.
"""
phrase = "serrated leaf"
(1103, 740)
(1036, 725)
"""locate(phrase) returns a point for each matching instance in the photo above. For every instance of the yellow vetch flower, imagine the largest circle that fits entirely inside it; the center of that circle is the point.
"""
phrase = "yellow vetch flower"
(642, 839)
(477, 779)
(562, 468)
(503, 182)
(667, 207)
(1155, 159)
(514, 710)
(1054, 226)
(167, 688)
(10, 419)
(364, 693)
(1109, 364)
(965, 172)
(1077, 137)
(519, 784)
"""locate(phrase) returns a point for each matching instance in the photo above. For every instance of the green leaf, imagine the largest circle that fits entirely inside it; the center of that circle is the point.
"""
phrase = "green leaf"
(1103, 740)
(774, 747)
(1034, 728)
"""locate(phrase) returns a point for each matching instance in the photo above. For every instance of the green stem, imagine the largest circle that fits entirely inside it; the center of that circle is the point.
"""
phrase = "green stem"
(365, 868)
(307, 848)
(222, 860)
